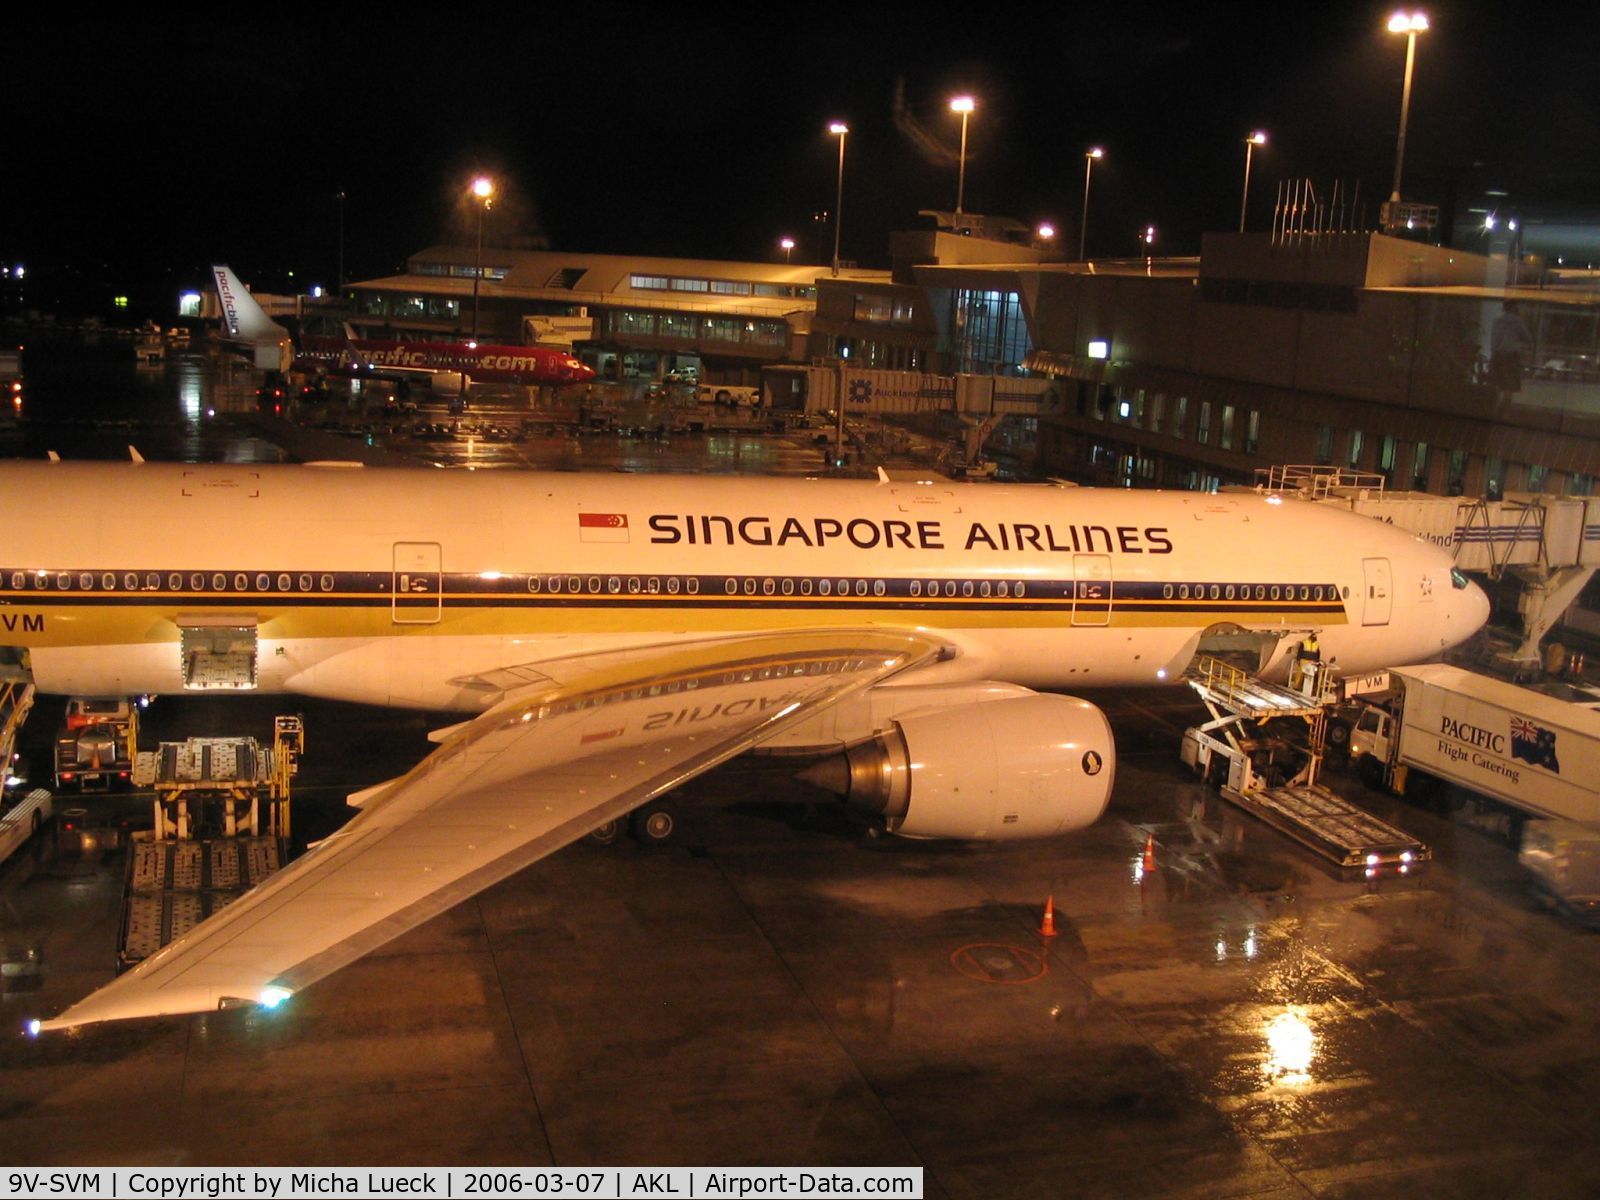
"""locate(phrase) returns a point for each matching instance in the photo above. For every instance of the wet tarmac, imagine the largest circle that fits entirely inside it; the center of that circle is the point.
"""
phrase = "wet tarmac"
(1217, 1014)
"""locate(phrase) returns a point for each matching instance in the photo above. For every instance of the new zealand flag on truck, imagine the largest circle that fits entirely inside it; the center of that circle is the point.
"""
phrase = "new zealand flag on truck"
(1534, 744)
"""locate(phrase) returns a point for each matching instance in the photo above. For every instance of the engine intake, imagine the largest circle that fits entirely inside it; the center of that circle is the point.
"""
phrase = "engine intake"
(1028, 767)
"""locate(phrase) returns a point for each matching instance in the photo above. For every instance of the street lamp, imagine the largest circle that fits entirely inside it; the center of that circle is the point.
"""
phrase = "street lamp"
(963, 105)
(1088, 167)
(483, 189)
(787, 246)
(339, 196)
(1147, 238)
(1258, 138)
(839, 130)
(1409, 24)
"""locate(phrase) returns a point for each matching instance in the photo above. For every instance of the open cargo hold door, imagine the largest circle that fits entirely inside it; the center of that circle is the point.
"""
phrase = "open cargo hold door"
(220, 651)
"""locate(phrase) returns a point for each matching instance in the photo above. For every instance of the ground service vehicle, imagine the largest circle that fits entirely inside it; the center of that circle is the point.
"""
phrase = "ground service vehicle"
(1564, 859)
(21, 817)
(728, 393)
(95, 749)
(1531, 754)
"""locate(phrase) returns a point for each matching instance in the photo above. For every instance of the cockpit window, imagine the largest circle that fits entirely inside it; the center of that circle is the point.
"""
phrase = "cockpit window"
(1457, 579)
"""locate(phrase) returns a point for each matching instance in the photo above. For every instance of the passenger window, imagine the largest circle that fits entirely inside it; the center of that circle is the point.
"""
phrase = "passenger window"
(614, 585)
(824, 587)
(652, 586)
(326, 583)
(788, 587)
(672, 586)
(878, 587)
(693, 585)
(1004, 589)
(768, 586)
(263, 582)
(861, 587)
(805, 587)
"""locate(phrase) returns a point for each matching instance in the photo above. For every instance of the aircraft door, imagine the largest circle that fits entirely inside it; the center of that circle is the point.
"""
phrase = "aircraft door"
(1379, 599)
(417, 594)
(1091, 597)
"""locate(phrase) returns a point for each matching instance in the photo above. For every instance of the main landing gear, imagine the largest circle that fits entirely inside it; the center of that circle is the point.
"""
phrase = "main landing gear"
(652, 824)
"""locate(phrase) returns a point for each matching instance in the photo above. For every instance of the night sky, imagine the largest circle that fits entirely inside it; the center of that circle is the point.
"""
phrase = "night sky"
(140, 148)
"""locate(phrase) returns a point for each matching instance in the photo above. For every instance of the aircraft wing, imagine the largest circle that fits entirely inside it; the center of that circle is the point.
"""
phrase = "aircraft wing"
(574, 743)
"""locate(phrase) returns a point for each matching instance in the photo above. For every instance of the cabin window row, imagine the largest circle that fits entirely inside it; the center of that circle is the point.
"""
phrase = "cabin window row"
(1250, 591)
(652, 585)
(174, 581)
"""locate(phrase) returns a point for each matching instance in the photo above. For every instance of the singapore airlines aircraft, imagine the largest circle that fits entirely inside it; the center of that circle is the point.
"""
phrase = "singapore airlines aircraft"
(607, 638)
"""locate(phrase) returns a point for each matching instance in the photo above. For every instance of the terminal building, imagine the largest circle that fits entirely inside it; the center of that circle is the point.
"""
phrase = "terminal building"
(1440, 369)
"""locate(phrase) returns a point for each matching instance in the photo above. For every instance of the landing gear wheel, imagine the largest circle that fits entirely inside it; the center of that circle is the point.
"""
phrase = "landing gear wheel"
(655, 824)
(605, 835)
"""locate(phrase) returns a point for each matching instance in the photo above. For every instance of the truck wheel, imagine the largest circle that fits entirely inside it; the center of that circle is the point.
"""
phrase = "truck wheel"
(1338, 735)
(607, 834)
(724, 397)
(655, 824)
(1370, 771)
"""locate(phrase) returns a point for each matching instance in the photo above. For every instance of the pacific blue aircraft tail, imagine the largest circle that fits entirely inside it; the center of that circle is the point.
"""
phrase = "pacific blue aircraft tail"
(248, 328)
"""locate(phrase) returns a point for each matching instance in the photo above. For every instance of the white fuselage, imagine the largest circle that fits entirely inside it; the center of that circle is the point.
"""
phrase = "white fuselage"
(415, 587)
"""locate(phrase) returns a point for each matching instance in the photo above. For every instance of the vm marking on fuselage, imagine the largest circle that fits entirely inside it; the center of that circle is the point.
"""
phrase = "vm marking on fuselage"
(26, 622)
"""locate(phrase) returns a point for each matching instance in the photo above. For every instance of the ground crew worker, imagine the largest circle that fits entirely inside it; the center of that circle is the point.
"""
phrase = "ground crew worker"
(1307, 662)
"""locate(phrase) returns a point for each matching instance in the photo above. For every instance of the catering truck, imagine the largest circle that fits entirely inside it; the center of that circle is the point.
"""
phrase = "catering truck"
(1533, 755)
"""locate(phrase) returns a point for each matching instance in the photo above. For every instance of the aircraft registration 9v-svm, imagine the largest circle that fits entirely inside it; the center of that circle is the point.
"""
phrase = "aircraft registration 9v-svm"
(610, 637)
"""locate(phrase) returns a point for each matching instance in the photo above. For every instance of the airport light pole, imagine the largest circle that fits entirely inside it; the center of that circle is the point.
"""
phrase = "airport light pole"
(1089, 156)
(483, 189)
(1258, 138)
(339, 196)
(1409, 24)
(787, 246)
(839, 130)
(963, 105)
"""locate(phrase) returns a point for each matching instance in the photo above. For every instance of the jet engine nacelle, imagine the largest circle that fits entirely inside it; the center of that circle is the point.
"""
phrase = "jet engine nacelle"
(449, 383)
(1029, 767)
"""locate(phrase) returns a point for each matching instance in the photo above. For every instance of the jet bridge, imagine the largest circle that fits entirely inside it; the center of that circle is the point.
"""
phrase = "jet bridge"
(1550, 544)
(1263, 748)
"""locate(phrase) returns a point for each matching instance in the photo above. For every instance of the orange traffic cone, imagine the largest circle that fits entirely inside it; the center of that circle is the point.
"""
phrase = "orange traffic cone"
(1048, 928)
(1149, 853)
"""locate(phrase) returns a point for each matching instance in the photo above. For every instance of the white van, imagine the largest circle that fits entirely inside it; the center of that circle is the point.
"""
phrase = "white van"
(731, 394)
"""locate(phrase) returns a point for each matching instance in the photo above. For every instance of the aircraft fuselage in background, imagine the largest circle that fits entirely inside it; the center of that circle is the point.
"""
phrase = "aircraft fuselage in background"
(479, 361)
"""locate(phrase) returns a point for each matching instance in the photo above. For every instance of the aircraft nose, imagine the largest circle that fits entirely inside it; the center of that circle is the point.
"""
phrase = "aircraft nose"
(1474, 608)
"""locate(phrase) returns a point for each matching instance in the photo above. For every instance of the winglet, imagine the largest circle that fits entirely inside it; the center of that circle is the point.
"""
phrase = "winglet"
(133, 453)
